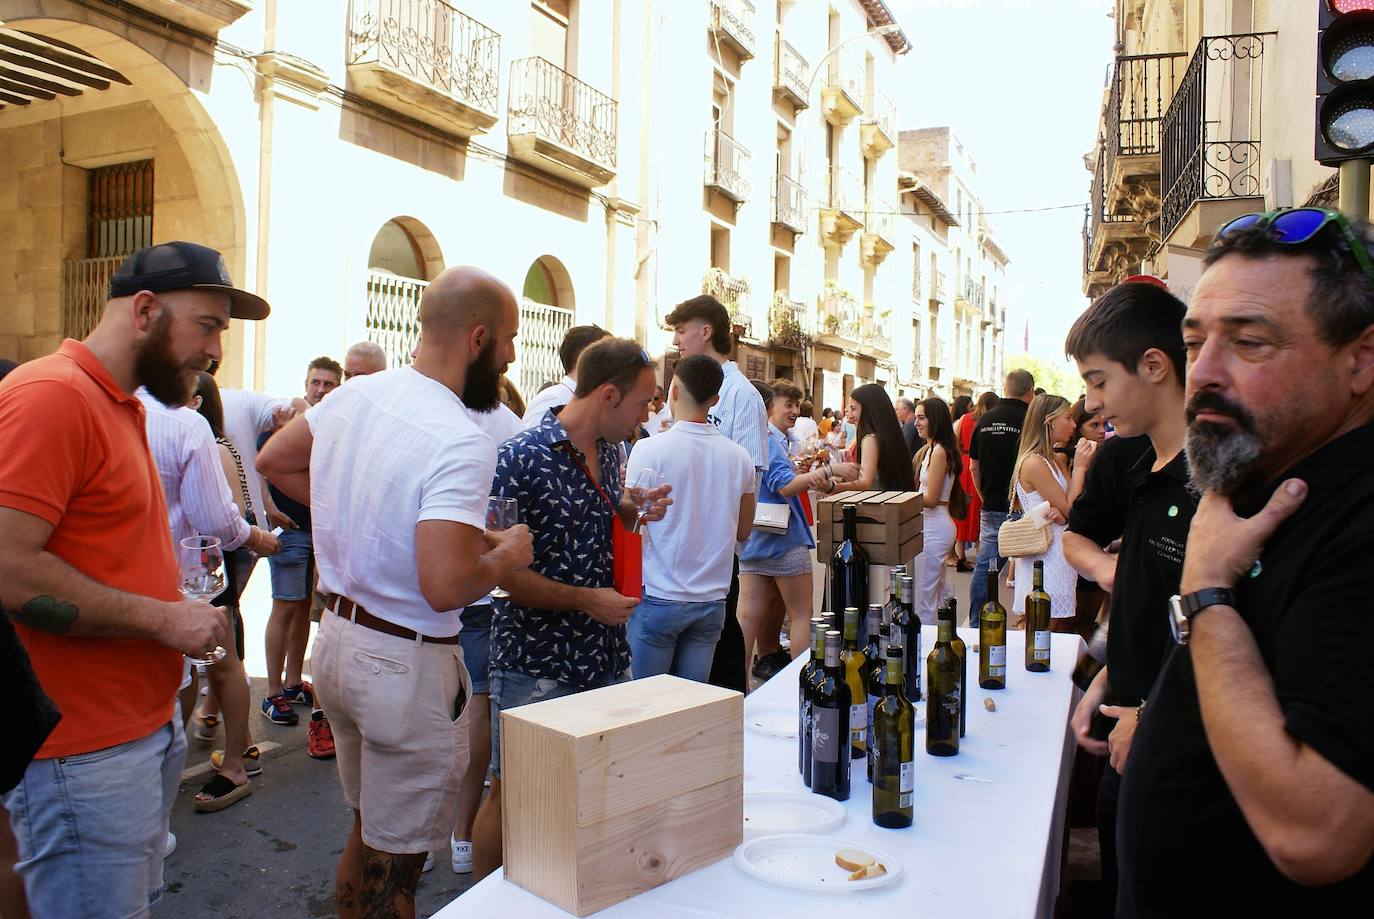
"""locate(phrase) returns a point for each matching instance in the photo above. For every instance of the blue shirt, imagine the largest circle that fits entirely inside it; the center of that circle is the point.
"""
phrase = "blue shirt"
(740, 414)
(779, 473)
(571, 527)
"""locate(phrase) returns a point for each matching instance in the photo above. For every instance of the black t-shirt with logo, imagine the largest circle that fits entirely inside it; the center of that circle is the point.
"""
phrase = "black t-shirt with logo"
(1184, 845)
(996, 440)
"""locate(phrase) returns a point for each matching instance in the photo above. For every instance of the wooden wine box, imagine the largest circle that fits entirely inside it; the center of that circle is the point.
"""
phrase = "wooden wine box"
(610, 792)
(889, 525)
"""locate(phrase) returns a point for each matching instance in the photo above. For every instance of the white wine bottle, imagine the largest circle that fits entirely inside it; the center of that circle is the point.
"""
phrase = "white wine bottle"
(992, 637)
(1038, 623)
(805, 681)
(830, 726)
(943, 702)
(852, 660)
(894, 736)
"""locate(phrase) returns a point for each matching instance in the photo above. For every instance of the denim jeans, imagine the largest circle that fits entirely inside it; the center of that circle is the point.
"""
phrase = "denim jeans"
(511, 689)
(674, 636)
(988, 525)
(91, 828)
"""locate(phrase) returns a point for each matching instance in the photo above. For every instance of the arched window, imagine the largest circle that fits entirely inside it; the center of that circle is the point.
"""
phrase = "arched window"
(404, 256)
(546, 314)
(395, 251)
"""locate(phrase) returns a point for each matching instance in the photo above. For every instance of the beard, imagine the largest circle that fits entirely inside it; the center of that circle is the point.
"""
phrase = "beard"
(1220, 456)
(482, 388)
(170, 381)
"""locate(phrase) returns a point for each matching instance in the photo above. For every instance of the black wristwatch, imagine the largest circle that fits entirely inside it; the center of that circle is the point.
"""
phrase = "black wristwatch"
(1183, 609)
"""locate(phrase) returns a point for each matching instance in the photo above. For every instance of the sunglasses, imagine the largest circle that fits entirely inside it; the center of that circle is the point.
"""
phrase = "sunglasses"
(1297, 225)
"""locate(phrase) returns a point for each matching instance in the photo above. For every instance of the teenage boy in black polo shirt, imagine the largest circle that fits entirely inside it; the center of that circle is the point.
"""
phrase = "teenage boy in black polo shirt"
(992, 455)
(1250, 791)
(1129, 349)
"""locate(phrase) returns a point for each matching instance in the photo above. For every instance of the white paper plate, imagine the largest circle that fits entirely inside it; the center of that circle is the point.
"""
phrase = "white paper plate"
(772, 720)
(768, 813)
(808, 862)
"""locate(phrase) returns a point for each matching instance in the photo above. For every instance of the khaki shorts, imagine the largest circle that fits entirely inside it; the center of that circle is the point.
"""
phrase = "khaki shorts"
(402, 747)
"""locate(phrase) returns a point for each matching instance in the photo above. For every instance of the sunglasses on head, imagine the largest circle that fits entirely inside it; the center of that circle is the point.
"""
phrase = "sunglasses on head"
(1297, 225)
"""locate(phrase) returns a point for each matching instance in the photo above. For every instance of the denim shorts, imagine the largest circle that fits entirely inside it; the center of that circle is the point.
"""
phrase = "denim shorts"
(511, 689)
(293, 568)
(476, 641)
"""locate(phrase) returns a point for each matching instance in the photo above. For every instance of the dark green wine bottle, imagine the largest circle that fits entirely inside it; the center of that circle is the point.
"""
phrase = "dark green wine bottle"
(804, 683)
(852, 660)
(943, 703)
(960, 649)
(894, 736)
(1038, 623)
(873, 680)
(830, 726)
(911, 639)
(992, 637)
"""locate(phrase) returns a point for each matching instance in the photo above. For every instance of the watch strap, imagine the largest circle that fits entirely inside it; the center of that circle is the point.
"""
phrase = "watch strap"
(1199, 600)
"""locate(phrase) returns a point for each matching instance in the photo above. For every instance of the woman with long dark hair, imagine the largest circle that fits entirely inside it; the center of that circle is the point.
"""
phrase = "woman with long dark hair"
(880, 457)
(961, 407)
(942, 495)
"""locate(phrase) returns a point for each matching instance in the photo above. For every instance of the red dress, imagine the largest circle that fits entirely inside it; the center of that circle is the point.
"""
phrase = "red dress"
(966, 530)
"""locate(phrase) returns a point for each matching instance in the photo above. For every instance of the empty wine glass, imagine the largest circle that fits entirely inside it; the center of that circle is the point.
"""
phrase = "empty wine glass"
(502, 513)
(202, 578)
(644, 481)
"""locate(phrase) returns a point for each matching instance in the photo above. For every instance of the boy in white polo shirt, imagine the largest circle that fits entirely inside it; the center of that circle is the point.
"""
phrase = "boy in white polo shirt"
(688, 557)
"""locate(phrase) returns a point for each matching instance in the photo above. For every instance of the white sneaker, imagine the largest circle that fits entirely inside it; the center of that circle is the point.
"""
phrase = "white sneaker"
(462, 855)
(429, 863)
(170, 846)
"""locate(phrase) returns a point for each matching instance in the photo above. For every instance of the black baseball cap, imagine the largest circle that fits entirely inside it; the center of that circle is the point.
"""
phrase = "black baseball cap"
(184, 266)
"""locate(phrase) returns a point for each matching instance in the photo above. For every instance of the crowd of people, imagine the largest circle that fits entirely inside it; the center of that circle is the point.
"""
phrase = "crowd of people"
(1207, 502)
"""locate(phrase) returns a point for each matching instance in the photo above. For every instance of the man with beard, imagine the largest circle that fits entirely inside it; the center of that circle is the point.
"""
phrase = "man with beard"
(89, 575)
(1250, 786)
(397, 477)
(562, 629)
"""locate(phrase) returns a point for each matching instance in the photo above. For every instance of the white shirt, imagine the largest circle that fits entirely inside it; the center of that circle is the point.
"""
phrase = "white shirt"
(199, 502)
(555, 396)
(688, 556)
(391, 449)
(500, 424)
(805, 429)
(246, 415)
(740, 414)
(659, 421)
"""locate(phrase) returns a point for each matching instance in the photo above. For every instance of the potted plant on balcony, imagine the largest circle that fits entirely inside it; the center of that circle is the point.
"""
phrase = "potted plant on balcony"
(784, 322)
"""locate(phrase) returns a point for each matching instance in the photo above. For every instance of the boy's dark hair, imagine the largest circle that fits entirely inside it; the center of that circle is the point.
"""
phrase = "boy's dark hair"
(766, 392)
(807, 409)
(786, 389)
(1341, 303)
(575, 341)
(701, 376)
(611, 360)
(326, 363)
(710, 311)
(1128, 320)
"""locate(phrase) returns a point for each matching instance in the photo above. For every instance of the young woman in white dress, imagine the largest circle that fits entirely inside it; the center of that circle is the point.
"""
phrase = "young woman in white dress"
(938, 465)
(1038, 478)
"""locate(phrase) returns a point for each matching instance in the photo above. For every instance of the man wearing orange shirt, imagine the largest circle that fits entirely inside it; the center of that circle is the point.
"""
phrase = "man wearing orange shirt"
(89, 575)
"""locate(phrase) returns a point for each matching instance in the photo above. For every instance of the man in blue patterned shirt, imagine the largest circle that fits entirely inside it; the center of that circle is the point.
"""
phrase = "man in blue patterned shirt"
(562, 630)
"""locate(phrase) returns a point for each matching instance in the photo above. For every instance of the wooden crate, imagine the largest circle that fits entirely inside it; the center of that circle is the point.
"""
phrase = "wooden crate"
(611, 792)
(889, 525)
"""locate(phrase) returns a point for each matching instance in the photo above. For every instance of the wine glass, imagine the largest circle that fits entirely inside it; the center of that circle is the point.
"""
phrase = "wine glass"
(202, 578)
(502, 513)
(645, 480)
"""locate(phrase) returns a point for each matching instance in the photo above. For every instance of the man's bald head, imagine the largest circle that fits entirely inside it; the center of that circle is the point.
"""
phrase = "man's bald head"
(462, 298)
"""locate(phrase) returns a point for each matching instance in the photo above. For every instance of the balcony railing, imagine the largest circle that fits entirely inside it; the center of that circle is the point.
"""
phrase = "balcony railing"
(727, 165)
(1142, 86)
(542, 328)
(791, 73)
(556, 119)
(400, 48)
(789, 322)
(973, 293)
(939, 291)
(392, 315)
(1211, 132)
(731, 22)
(733, 293)
(85, 288)
(875, 330)
(840, 315)
(842, 97)
(789, 204)
(916, 283)
(844, 193)
(880, 221)
(879, 124)
(1098, 214)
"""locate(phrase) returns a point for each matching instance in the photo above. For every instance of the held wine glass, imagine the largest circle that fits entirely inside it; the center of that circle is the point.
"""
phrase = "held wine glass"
(502, 513)
(202, 578)
(645, 480)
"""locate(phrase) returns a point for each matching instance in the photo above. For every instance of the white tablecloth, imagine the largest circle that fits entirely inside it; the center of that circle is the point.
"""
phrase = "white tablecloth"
(989, 822)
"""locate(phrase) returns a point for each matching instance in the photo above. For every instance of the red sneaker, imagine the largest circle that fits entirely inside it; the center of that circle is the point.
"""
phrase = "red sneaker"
(319, 737)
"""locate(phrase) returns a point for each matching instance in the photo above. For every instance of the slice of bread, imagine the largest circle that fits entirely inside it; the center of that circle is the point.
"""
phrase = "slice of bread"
(870, 871)
(853, 859)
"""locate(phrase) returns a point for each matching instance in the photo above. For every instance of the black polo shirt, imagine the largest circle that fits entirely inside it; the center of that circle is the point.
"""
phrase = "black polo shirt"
(1184, 845)
(1151, 512)
(996, 439)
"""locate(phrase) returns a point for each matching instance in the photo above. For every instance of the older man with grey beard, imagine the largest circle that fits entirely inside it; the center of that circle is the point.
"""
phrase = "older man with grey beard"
(1258, 736)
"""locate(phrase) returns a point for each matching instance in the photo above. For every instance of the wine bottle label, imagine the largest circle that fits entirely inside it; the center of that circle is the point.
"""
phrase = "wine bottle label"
(858, 724)
(825, 739)
(1042, 646)
(907, 778)
(997, 655)
(996, 670)
(951, 703)
(904, 800)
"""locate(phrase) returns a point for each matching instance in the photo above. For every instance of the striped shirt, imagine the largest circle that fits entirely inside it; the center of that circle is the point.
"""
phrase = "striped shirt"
(199, 502)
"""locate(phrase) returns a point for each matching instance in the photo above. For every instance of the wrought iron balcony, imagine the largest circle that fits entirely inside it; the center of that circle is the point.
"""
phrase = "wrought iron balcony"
(842, 97)
(426, 59)
(1111, 242)
(733, 293)
(727, 166)
(939, 291)
(878, 132)
(731, 22)
(875, 332)
(789, 204)
(842, 212)
(972, 294)
(840, 318)
(789, 323)
(560, 124)
(790, 72)
(916, 283)
(1211, 139)
(880, 236)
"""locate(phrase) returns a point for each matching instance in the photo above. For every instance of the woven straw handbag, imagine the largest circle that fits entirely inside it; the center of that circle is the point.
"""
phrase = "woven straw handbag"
(1021, 538)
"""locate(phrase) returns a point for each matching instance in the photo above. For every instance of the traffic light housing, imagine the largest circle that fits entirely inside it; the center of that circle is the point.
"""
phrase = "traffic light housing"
(1345, 81)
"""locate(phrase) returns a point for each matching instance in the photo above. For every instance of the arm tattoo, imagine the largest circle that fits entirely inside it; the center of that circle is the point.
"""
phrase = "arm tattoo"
(47, 615)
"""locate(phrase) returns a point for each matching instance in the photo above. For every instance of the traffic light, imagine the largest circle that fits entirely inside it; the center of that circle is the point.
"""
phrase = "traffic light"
(1345, 81)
